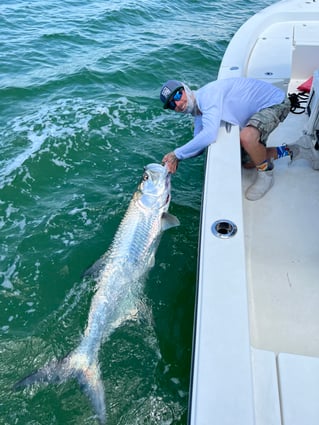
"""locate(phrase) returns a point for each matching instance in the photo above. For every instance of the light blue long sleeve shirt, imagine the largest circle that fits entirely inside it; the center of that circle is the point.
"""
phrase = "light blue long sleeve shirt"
(233, 100)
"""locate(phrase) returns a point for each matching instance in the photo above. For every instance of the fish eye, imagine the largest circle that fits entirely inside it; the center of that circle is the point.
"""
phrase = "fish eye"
(145, 177)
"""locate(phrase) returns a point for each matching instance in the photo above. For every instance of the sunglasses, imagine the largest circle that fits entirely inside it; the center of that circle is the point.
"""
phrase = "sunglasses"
(177, 96)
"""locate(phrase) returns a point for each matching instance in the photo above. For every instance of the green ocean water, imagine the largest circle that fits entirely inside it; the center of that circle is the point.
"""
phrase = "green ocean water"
(79, 118)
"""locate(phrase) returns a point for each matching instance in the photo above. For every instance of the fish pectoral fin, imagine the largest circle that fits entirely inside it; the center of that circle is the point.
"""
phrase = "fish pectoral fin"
(94, 270)
(151, 261)
(168, 221)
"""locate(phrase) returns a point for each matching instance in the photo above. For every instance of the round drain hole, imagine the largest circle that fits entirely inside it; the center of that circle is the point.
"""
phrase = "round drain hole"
(224, 229)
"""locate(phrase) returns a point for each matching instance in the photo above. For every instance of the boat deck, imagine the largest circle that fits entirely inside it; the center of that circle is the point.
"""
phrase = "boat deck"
(281, 234)
(282, 246)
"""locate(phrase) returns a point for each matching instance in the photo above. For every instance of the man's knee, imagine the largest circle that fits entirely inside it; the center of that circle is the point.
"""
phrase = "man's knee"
(249, 137)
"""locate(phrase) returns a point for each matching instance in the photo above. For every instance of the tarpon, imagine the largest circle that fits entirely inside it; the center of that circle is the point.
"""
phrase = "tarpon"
(119, 278)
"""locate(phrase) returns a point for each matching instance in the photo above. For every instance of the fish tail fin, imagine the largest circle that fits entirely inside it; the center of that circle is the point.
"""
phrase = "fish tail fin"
(75, 365)
(53, 372)
(91, 384)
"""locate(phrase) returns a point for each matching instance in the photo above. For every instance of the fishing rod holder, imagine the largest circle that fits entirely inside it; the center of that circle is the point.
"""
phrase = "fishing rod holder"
(224, 229)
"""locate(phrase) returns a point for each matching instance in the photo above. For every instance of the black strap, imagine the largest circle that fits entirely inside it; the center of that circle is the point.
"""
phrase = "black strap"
(296, 100)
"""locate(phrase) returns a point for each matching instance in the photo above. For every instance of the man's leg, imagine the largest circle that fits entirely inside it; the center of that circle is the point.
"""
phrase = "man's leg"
(261, 157)
(253, 140)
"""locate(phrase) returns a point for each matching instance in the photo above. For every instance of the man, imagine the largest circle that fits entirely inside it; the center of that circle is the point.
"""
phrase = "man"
(256, 106)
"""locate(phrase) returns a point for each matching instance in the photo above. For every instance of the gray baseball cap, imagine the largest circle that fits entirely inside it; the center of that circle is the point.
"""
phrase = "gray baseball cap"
(168, 90)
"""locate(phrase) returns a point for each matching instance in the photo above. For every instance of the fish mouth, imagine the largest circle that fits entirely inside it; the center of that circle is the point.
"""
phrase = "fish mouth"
(168, 182)
(155, 167)
(161, 169)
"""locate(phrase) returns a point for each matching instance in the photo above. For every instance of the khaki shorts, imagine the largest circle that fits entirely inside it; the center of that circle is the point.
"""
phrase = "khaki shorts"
(266, 121)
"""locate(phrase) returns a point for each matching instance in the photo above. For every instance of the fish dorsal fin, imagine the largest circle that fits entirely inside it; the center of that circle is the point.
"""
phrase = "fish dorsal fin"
(168, 221)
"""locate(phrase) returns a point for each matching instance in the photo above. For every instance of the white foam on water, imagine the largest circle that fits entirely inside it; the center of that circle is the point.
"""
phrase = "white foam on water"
(57, 122)
(15, 163)
(9, 274)
(54, 124)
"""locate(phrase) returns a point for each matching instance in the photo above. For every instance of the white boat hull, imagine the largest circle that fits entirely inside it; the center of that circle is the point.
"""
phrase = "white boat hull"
(256, 342)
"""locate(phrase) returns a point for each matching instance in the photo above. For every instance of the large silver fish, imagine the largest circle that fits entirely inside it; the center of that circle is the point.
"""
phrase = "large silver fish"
(119, 281)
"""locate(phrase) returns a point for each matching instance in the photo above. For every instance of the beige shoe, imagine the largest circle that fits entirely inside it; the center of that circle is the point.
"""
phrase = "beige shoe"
(263, 182)
(304, 149)
(299, 152)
